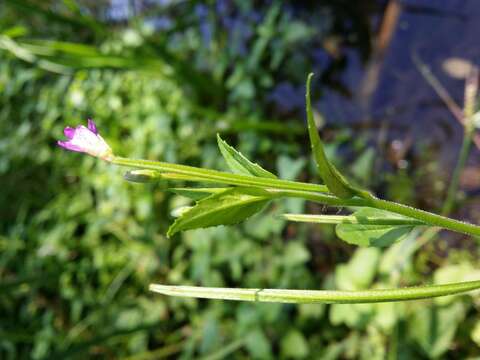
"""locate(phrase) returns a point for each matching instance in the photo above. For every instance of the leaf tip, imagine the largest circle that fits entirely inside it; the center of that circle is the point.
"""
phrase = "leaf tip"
(172, 230)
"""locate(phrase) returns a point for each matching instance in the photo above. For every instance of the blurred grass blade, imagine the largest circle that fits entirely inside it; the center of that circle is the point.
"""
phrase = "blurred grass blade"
(14, 31)
(55, 48)
(335, 181)
(77, 21)
(239, 164)
(70, 56)
(317, 296)
(25, 54)
(225, 208)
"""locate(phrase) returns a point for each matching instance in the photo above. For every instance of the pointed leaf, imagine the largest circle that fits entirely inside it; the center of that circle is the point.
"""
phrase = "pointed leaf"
(335, 182)
(363, 234)
(226, 208)
(239, 164)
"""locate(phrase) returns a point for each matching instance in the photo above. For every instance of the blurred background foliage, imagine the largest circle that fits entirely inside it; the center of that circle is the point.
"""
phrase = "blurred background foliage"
(79, 245)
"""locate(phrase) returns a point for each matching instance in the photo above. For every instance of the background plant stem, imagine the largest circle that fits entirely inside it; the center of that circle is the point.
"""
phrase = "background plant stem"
(471, 90)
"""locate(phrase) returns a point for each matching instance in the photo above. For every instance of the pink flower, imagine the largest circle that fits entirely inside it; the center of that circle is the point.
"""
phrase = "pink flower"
(86, 140)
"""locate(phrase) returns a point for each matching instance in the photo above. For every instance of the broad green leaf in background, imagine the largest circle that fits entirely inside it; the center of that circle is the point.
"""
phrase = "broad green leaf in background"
(226, 208)
(294, 345)
(360, 271)
(357, 274)
(475, 334)
(374, 235)
(434, 327)
(362, 169)
(335, 182)
(258, 345)
(464, 271)
(289, 168)
(239, 164)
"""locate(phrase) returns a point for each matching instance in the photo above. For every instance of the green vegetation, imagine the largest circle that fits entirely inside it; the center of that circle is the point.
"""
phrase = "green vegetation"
(79, 245)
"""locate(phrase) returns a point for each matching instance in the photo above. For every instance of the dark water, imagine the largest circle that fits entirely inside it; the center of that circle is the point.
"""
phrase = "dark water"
(371, 81)
(391, 88)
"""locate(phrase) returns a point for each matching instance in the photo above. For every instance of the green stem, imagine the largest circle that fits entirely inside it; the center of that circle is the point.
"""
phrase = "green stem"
(421, 215)
(351, 219)
(317, 296)
(427, 217)
(207, 175)
(306, 191)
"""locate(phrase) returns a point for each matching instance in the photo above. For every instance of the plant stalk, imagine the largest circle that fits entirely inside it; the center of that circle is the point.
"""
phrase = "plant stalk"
(317, 296)
(191, 173)
(313, 192)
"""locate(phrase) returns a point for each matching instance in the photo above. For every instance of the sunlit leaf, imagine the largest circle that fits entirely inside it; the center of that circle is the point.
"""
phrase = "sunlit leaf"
(363, 233)
(239, 164)
(433, 327)
(226, 208)
(294, 345)
(335, 181)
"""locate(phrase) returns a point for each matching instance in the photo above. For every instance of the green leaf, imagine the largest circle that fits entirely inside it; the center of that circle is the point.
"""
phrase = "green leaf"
(226, 208)
(360, 271)
(294, 345)
(362, 169)
(475, 334)
(434, 327)
(364, 234)
(451, 274)
(258, 345)
(239, 164)
(335, 181)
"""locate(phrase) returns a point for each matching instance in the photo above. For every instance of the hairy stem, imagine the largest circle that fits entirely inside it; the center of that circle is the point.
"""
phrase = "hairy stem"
(421, 215)
(198, 174)
(302, 190)
(427, 217)
(350, 219)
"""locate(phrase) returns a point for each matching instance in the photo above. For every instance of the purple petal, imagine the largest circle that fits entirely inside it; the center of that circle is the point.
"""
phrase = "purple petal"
(92, 127)
(68, 146)
(69, 132)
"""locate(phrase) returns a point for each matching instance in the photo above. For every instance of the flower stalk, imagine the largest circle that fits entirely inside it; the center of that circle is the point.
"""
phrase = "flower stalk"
(284, 188)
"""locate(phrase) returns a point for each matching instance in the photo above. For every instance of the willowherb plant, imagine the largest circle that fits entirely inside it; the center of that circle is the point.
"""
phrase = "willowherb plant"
(249, 188)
